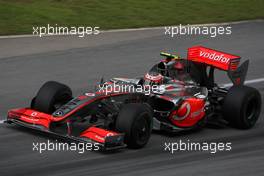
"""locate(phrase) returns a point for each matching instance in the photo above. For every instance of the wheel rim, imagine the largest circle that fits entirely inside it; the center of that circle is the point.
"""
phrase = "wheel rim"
(142, 130)
(251, 110)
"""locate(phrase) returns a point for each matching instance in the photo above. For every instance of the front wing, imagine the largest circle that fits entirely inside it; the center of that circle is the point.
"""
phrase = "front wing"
(106, 139)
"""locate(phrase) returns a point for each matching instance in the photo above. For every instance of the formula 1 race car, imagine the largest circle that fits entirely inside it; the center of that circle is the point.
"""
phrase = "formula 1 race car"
(175, 95)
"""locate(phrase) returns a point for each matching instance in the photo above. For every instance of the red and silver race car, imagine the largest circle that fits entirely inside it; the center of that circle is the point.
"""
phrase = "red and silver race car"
(175, 95)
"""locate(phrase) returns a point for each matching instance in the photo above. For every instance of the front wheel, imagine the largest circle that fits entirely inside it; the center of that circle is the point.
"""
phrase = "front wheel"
(242, 106)
(135, 120)
(50, 96)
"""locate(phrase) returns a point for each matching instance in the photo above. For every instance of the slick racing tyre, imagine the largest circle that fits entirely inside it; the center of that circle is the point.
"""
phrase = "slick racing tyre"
(135, 120)
(51, 96)
(242, 106)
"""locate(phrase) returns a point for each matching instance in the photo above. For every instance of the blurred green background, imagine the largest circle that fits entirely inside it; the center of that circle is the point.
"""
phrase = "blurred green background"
(18, 16)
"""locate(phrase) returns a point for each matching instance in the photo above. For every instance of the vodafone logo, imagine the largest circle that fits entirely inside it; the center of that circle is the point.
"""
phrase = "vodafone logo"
(185, 108)
(30, 119)
(110, 134)
(215, 57)
(99, 137)
(33, 114)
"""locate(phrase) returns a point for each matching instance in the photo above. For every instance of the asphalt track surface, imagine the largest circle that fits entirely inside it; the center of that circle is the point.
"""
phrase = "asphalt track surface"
(80, 63)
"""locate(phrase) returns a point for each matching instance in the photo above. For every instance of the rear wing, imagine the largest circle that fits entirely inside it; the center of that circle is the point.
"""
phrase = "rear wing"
(214, 58)
(220, 60)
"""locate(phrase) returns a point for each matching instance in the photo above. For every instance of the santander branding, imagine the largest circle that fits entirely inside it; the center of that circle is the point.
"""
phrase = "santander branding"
(214, 56)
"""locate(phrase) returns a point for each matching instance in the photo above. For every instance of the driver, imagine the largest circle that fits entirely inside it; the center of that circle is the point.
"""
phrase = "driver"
(180, 71)
(174, 69)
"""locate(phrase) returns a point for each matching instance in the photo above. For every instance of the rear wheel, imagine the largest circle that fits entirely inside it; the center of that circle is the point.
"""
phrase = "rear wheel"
(242, 106)
(135, 120)
(51, 96)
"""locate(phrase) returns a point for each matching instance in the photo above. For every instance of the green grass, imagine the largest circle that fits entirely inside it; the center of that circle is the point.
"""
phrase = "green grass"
(18, 16)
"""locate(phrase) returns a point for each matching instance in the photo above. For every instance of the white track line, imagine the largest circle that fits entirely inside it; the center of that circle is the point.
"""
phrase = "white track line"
(252, 81)
(2, 121)
(139, 29)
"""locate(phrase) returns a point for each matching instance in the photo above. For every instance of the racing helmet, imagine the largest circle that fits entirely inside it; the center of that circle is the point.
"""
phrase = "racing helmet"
(153, 78)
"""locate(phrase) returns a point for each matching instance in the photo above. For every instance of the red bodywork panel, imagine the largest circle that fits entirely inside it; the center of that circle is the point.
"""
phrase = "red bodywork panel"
(214, 58)
(189, 113)
(98, 134)
(30, 116)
